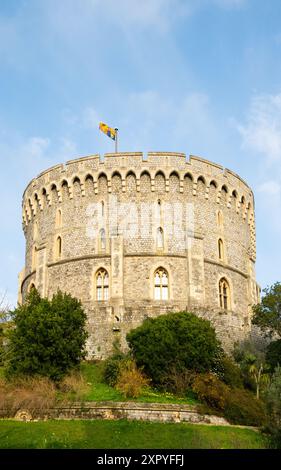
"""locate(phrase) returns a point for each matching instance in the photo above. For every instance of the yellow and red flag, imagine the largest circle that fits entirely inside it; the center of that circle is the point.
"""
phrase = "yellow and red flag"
(109, 131)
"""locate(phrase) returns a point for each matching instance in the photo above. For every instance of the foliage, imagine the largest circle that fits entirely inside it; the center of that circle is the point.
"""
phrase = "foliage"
(27, 393)
(243, 408)
(176, 340)
(1, 344)
(273, 402)
(112, 368)
(74, 385)
(231, 373)
(48, 338)
(267, 314)
(131, 380)
(250, 356)
(100, 391)
(179, 382)
(273, 354)
(5, 325)
(237, 405)
(210, 390)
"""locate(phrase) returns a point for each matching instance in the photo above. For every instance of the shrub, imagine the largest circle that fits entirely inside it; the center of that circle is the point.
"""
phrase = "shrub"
(49, 336)
(112, 368)
(231, 373)
(74, 385)
(1, 345)
(179, 382)
(212, 391)
(243, 408)
(27, 393)
(131, 380)
(273, 354)
(250, 355)
(273, 404)
(237, 405)
(180, 340)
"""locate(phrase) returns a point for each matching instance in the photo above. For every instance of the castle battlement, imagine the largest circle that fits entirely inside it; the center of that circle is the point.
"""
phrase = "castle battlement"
(136, 235)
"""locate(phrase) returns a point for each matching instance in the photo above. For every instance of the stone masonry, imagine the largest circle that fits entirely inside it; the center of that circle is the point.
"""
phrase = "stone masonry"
(103, 228)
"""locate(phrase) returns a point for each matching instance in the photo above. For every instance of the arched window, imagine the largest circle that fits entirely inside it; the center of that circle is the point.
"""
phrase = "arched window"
(102, 239)
(58, 218)
(161, 284)
(220, 219)
(102, 285)
(160, 239)
(58, 247)
(221, 249)
(224, 294)
(159, 210)
(31, 287)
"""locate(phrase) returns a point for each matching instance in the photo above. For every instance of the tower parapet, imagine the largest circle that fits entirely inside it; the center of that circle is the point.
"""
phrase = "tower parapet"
(136, 235)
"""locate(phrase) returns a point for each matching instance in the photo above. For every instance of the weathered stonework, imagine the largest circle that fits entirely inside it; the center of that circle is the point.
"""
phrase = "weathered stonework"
(66, 207)
(154, 412)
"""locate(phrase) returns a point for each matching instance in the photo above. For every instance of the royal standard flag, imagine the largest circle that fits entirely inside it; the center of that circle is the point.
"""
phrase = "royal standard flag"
(108, 130)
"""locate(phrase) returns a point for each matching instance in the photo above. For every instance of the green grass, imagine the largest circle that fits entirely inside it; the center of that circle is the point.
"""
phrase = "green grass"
(124, 434)
(100, 391)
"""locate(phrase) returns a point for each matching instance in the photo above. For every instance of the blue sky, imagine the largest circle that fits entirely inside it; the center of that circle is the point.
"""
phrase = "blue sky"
(196, 76)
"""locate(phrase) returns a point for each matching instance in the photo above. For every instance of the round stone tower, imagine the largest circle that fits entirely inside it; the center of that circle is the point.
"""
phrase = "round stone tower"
(136, 236)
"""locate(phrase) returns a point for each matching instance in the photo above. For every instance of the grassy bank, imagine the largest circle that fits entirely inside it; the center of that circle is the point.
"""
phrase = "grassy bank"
(100, 391)
(124, 434)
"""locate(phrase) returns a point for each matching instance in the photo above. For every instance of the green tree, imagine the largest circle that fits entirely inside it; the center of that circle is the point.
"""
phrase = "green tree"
(5, 324)
(273, 402)
(48, 338)
(176, 341)
(251, 358)
(267, 314)
(273, 354)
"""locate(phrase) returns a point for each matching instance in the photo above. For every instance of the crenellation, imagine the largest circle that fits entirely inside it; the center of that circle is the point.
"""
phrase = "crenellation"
(191, 220)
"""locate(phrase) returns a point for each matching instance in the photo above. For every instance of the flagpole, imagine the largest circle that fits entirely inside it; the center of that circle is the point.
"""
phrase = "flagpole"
(116, 140)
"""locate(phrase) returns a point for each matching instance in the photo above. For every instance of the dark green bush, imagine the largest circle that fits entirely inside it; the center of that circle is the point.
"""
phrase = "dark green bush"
(275, 438)
(273, 354)
(211, 391)
(231, 373)
(273, 404)
(238, 406)
(49, 336)
(242, 407)
(112, 368)
(176, 340)
(179, 382)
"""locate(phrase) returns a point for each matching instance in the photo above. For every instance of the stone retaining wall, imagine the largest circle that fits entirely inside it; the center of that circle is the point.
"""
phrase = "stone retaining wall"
(119, 410)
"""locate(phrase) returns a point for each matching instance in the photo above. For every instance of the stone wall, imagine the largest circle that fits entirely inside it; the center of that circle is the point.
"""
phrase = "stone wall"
(129, 198)
(121, 410)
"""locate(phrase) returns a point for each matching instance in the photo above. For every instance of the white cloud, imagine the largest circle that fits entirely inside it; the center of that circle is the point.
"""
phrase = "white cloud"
(262, 131)
(270, 188)
(35, 147)
(261, 138)
(90, 118)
